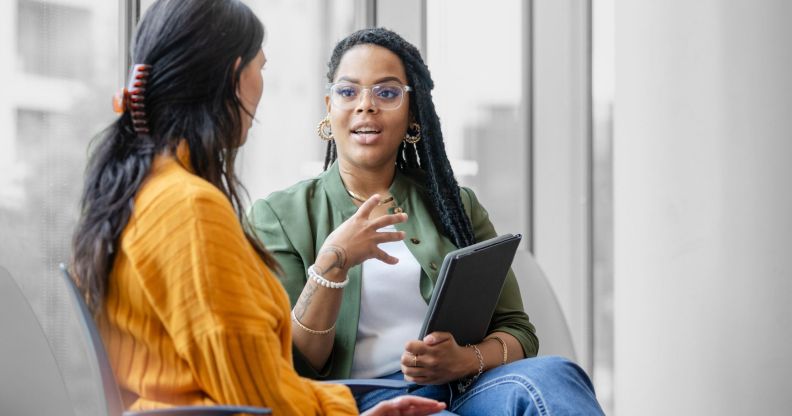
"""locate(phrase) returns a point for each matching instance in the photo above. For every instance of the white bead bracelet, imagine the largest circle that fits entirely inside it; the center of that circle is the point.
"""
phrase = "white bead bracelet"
(324, 282)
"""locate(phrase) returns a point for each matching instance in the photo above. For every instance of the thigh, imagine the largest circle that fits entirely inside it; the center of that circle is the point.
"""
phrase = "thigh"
(532, 386)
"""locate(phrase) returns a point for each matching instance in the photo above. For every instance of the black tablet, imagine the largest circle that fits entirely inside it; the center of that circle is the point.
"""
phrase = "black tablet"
(468, 288)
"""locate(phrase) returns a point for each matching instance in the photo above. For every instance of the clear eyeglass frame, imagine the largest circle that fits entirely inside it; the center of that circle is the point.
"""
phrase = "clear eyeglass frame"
(381, 103)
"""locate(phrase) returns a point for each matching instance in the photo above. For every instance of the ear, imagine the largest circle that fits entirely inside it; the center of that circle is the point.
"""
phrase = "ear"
(327, 103)
(237, 63)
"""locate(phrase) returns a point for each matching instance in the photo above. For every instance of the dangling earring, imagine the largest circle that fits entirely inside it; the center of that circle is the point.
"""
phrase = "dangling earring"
(323, 130)
(413, 133)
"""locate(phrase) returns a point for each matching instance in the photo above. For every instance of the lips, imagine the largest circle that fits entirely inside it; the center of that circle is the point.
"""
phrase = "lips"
(366, 132)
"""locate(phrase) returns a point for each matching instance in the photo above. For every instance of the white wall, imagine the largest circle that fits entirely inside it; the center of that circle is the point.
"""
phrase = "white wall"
(703, 207)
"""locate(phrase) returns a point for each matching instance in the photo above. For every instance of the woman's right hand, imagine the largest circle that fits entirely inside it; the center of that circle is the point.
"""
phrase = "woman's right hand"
(357, 240)
(406, 406)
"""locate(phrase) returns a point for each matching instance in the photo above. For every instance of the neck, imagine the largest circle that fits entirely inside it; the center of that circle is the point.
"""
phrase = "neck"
(367, 181)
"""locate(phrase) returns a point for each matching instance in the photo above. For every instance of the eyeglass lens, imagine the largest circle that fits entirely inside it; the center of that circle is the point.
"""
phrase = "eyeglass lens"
(385, 96)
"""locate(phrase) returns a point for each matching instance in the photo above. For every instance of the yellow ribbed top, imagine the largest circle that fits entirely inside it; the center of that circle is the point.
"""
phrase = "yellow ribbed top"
(192, 314)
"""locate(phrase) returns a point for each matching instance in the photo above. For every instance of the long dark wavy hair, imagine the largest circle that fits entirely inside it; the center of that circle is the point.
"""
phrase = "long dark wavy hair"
(191, 94)
(429, 153)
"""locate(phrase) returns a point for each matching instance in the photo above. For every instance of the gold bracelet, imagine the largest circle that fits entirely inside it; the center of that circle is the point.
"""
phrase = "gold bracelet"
(503, 347)
(467, 381)
(309, 330)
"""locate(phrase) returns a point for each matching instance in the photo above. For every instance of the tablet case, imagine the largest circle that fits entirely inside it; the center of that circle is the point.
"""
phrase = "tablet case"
(468, 288)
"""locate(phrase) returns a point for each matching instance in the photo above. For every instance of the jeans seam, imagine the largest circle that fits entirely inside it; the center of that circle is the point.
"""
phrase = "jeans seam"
(525, 382)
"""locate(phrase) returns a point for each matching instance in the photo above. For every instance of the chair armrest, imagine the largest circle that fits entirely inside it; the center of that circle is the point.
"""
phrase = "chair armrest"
(201, 411)
(363, 385)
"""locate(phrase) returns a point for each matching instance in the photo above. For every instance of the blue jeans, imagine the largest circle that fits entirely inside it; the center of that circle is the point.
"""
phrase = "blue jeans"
(532, 386)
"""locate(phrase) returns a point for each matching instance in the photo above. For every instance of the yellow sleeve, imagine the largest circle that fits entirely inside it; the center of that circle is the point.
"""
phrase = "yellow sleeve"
(227, 314)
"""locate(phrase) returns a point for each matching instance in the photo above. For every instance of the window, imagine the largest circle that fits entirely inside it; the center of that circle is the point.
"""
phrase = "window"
(283, 147)
(63, 73)
(47, 41)
(479, 95)
(60, 67)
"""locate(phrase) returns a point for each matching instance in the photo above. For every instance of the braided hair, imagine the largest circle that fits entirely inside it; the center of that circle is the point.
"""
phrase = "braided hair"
(428, 154)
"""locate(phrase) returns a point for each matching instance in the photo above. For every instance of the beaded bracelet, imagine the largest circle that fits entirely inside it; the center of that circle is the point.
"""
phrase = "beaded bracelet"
(324, 282)
(467, 381)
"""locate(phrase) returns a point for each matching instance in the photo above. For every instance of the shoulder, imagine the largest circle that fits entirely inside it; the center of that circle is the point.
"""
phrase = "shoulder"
(469, 199)
(173, 197)
(294, 201)
(473, 208)
(176, 183)
(296, 194)
(417, 179)
(293, 211)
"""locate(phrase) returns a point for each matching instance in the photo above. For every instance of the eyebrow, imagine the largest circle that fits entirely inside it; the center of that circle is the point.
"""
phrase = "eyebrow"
(384, 79)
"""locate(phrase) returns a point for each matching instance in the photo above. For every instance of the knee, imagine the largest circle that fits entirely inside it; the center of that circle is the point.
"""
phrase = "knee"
(554, 369)
(552, 363)
(545, 364)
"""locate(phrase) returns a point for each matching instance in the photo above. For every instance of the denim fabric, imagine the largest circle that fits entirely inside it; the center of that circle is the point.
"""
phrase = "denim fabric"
(533, 386)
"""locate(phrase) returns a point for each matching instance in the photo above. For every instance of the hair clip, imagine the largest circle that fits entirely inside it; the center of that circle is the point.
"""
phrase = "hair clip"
(119, 101)
(132, 97)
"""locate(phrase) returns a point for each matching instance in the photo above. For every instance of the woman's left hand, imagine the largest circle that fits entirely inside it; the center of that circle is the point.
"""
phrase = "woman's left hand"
(437, 359)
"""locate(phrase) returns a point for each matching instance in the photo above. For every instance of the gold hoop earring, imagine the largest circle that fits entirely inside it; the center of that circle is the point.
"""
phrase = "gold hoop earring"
(324, 130)
(413, 133)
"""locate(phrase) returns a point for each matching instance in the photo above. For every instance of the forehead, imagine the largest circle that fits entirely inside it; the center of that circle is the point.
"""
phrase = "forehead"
(370, 63)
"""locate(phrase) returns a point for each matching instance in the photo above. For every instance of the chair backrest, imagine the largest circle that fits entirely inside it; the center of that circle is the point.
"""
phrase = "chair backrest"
(31, 382)
(97, 354)
(543, 308)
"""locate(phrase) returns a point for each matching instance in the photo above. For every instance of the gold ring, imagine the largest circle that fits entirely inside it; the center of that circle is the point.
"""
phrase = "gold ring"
(415, 360)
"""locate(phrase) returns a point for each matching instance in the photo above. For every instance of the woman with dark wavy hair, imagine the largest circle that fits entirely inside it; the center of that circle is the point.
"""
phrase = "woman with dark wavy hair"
(185, 297)
(384, 137)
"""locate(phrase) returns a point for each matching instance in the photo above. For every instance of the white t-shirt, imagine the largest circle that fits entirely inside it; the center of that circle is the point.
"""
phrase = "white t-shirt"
(391, 311)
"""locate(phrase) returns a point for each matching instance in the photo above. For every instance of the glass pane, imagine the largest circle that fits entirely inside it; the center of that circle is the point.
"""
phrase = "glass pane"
(63, 74)
(283, 147)
(474, 51)
(60, 70)
(603, 54)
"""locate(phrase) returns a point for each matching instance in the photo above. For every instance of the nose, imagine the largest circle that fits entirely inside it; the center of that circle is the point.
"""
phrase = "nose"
(366, 102)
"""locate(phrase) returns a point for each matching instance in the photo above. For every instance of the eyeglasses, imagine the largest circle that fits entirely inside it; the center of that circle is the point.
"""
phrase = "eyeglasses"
(385, 96)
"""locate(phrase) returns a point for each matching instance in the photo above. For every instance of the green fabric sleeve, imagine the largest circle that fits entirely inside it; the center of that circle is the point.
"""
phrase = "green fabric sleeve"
(267, 226)
(509, 315)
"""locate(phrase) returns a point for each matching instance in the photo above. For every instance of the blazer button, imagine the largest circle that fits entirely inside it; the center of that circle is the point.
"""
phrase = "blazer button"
(415, 240)
(398, 210)
(432, 266)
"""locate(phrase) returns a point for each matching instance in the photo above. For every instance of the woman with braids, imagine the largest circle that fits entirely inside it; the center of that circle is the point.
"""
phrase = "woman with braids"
(184, 296)
(384, 138)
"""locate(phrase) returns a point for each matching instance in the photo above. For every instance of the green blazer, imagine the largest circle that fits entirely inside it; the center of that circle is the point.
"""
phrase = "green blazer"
(294, 223)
